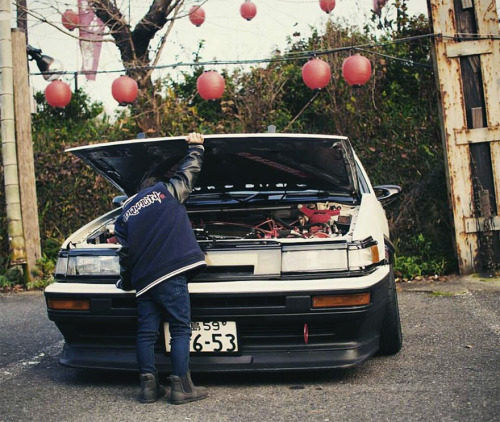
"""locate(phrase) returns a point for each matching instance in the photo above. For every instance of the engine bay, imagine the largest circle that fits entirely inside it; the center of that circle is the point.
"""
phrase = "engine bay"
(301, 221)
(317, 220)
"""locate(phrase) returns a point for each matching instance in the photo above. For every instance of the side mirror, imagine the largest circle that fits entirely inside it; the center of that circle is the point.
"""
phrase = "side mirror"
(387, 193)
(119, 200)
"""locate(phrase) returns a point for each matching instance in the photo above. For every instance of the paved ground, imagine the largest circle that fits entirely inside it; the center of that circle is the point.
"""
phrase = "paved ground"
(448, 370)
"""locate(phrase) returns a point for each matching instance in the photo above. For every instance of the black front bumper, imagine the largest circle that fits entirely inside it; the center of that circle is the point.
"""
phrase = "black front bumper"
(270, 332)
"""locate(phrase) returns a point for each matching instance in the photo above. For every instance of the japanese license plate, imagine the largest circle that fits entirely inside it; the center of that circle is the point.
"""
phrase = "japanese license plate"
(212, 336)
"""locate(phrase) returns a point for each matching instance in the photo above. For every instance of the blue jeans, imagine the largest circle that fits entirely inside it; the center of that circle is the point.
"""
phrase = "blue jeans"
(171, 300)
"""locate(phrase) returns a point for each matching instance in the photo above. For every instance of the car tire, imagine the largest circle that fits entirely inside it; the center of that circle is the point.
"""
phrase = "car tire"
(391, 336)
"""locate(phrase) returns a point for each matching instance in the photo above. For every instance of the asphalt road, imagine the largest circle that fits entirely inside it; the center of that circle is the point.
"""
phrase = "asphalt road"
(448, 370)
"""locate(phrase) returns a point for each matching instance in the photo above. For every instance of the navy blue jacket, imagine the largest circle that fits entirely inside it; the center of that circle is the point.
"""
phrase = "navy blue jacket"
(154, 230)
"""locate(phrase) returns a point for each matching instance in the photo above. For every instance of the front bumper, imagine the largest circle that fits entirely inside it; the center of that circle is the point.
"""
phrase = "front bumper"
(270, 327)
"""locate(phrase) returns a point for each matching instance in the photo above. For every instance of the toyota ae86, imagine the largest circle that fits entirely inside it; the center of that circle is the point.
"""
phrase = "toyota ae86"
(299, 262)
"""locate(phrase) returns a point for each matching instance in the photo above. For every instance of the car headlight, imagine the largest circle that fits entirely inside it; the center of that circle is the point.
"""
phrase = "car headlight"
(61, 266)
(353, 256)
(363, 256)
(297, 260)
(93, 265)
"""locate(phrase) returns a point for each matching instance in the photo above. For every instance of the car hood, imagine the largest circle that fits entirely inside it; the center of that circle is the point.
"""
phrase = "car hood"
(232, 163)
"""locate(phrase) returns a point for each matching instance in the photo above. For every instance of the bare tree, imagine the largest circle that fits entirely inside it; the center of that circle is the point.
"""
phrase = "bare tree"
(134, 43)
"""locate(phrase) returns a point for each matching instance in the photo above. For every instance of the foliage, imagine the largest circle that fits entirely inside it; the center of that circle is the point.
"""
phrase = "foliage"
(11, 276)
(391, 121)
(421, 262)
(43, 274)
(69, 193)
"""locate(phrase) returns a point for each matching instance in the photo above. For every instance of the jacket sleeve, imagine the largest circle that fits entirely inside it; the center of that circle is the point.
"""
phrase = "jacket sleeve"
(181, 184)
(125, 281)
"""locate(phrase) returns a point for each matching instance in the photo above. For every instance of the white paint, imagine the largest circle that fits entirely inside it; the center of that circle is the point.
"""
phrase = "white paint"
(242, 286)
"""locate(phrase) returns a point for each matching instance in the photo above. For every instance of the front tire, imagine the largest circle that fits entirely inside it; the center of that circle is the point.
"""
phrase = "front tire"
(391, 336)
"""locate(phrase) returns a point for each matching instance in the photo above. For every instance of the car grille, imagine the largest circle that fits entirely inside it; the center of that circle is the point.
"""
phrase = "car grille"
(217, 302)
(272, 336)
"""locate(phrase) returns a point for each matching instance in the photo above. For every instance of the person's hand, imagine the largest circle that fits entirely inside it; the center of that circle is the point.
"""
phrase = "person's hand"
(195, 138)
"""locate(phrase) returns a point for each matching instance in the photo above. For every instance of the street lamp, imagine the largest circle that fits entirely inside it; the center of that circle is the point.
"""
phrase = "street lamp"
(50, 68)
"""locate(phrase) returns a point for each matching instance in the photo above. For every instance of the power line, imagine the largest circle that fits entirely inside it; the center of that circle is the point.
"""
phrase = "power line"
(291, 56)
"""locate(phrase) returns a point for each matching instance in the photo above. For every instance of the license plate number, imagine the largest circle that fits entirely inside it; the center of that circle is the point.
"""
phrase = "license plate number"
(212, 336)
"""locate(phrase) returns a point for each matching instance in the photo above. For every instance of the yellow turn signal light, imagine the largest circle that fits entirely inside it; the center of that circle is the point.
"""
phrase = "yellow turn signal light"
(335, 301)
(375, 254)
(69, 304)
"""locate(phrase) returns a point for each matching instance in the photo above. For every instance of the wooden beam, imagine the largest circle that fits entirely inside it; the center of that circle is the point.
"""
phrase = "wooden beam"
(467, 4)
(468, 48)
(26, 166)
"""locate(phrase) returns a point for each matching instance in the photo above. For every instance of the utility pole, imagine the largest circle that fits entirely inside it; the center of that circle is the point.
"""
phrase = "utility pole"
(22, 15)
(8, 130)
(467, 67)
(24, 147)
(24, 140)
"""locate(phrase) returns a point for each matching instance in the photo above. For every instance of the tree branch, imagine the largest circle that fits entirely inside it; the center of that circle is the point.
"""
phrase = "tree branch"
(111, 16)
(163, 41)
(154, 20)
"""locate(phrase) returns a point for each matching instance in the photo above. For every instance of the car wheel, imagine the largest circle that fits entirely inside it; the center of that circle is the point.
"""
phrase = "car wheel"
(391, 336)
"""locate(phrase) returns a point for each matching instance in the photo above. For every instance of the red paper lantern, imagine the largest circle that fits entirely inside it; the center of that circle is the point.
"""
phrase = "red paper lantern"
(58, 94)
(70, 19)
(356, 70)
(210, 85)
(124, 90)
(248, 10)
(327, 5)
(196, 15)
(316, 73)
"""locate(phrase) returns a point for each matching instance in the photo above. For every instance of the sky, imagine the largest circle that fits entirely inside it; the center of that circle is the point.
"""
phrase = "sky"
(225, 34)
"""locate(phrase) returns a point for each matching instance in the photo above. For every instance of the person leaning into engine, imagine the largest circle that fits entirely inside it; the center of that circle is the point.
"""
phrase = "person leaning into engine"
(159, 253)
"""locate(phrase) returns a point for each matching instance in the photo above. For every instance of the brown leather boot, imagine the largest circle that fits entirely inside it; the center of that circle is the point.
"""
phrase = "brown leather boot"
(184, 391)
(151, 390)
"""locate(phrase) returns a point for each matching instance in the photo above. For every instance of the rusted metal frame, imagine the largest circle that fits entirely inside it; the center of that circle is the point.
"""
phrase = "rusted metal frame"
(476, 104)
(453, 110)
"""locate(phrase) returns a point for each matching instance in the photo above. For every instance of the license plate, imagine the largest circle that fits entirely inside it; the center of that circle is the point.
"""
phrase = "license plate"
(212, 336)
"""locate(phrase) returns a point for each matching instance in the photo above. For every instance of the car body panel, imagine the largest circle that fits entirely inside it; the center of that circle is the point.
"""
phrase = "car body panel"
(296, 220)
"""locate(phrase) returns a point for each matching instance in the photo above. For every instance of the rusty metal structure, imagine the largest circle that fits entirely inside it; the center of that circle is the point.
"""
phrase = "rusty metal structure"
(467, 68)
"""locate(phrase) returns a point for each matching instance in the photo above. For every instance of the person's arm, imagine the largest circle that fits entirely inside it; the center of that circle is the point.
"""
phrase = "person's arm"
(125, 281)
(181, 184)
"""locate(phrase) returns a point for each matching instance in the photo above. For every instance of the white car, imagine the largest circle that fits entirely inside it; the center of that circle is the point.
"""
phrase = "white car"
(296, 240)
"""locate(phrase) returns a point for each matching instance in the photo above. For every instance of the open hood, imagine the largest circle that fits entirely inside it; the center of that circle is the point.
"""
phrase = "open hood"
(233, 163)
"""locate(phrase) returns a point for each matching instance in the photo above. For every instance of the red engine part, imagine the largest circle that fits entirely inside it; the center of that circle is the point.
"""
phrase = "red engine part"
(318, 216)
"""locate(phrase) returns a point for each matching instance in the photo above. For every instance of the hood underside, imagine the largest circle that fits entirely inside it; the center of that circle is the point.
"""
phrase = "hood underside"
(232, 163)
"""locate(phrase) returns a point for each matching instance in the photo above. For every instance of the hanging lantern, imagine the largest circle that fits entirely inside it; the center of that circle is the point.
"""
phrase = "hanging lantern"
(327, 5)
(356, 70)
(124, 90)
(248, 10)
(70, 20)
(196, 15)
(58, 94)
(316, 73)
(210, 85)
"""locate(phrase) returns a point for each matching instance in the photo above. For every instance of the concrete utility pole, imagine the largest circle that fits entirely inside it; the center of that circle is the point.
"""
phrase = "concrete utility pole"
(12, 194)
(467, 67)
